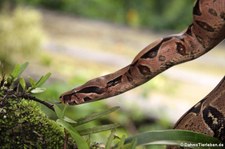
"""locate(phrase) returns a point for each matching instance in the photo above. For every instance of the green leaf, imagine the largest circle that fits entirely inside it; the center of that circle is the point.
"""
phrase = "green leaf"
(133, 144)
(18, 70)
(168, 137)
(81, 143)
(59, 113)
(37, 90)
(32, 82)
(22, 83)
(130, 145)
(42, 80)
(69, 120)
(98, 129)
(95, 116)
(110, 139)
(121, 143)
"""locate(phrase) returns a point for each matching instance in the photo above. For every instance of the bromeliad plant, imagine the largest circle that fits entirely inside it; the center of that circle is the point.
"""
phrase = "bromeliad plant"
(18, 111)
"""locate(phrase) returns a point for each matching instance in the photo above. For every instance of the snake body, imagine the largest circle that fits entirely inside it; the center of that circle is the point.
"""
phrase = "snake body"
(205, 32)
(208, 115)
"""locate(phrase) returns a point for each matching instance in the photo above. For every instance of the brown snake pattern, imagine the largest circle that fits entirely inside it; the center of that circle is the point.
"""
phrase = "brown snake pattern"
(205, 32)
(208, 115)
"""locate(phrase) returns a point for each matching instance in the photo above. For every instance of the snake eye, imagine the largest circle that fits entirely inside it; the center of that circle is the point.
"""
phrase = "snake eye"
(91, 89)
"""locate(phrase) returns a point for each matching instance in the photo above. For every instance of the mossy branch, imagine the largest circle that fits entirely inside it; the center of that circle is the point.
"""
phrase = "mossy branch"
(30, 97)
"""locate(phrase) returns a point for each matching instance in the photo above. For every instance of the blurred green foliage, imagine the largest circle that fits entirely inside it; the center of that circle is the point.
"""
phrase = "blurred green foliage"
(154, 14)
(20, 33)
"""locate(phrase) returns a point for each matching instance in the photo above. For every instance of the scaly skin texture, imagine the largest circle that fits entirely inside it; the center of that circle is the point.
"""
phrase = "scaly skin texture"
(205, 32)
(207, 116)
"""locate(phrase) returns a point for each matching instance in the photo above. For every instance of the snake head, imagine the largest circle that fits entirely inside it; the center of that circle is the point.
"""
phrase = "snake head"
(81, 95)
(71, 97)
(90, 91)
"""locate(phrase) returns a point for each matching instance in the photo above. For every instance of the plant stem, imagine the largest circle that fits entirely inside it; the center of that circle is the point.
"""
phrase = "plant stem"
(27, 96)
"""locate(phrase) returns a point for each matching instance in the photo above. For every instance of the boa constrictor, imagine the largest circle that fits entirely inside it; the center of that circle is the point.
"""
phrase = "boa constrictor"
(207, 116)
(205, 32)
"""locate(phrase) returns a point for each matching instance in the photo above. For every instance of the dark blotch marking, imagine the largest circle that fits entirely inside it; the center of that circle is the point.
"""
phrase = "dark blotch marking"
(133, 64)
(222, 15)
(114, 81)
(165, 39)
(154, 51)
(129, 71)
(189, 31)
(196, 10)
(181, 49)
(87, 99)
(205, 26)
(182, 39)
(212, 12)
(162, 58)
(215, 120)
(129, 78)
(144, 70)
(196, 109)
(91, 89)
(129, 75)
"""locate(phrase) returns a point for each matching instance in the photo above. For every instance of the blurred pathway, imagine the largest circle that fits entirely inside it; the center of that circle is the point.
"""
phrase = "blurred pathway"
(121, 61)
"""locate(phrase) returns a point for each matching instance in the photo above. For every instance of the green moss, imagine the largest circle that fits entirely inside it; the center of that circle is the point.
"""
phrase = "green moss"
(24, 125)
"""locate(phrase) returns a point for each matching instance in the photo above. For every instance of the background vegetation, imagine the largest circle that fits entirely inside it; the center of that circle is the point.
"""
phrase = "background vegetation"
(154, 14)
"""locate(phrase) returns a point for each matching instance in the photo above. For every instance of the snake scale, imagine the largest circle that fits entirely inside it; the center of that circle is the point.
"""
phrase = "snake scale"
(204, 33)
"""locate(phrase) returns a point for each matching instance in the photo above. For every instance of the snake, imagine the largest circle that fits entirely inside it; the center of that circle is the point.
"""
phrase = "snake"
(206, 30)
(207, 116)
